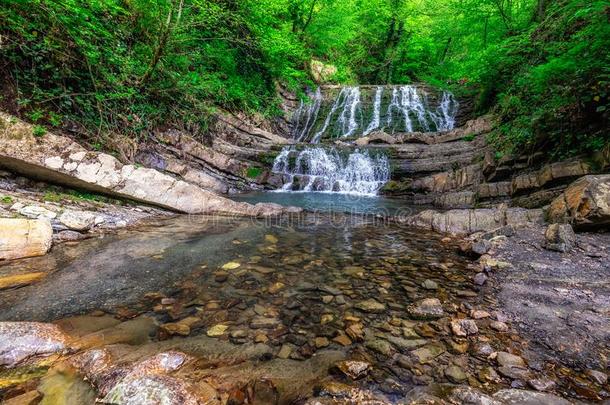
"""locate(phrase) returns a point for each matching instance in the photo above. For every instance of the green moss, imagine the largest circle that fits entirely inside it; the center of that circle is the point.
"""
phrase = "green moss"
(38, 131)
(253, 172)
(7, 199)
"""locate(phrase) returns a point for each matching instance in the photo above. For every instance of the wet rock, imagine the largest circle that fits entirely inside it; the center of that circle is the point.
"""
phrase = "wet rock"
(155, 389)
(271, 239)
(515, 372)
(285, 351)
(176, 328)
(499, 326)
(427, 353)
(321, 342)
(458, 347)
(353, 369)
(560, 237)
(479, 314)
(68, 236)
(77, 220)
(380, 346)
(406, 344)
(261, 338)
(276, 287)
(217, 330)
(509, 360)
(429, 285)
(541, 384)
(410, 333)
(523, 397)
(37, 212)
(20, 280)
(371, 306)
(480, 278)
(469, 396)
(261, 322)
(429, 308)
(488, 374)
(231, 266)
(483, 349)
(355, 332)
(29, 398)
(21, 238)
(455, 374)
(598, 376)
(464, 327)
(326, 318)
(342, 339)
(20, 341)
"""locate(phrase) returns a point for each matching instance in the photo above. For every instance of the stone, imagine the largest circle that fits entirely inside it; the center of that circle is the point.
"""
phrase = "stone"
(68, 236)
(480, 278)
(509, 360)
(21, 238)
(217, 330)
(479, 314)
(598, 376)
(469, 396)
(342, 339)
(458, 347)
(276, 287)
(522, 397)
(355, 332)
(427, 353)
(376, 137)
(560, 237)
(261, 338)
(455, 374)
(499, 326)
(585, 203)
(285, 351)
(371, 306)
(176, 328)
(464, 327)
(321, 342)
(354, 369)
(380, 346)
(428, 308)
(541, 384)
(406, 344)
(20, 341)
(516, 373)
(271, 239)
(326, 318)
(410, 333)
(77, 220)
(481, 246)
(488, 374)
(20, 280)
(429, 285)
(156, 389)
(261, 322)
(37, 212)
(231, 266)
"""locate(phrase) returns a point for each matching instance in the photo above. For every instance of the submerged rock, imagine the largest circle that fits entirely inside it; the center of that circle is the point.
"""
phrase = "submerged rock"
(429, 308)
(20, 341)
(353, 369)
(523, 397)
(371, 306)
(156, 389)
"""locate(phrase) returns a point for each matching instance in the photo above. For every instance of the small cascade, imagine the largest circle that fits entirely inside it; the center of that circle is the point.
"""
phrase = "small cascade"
(358, 111)
(329, 170)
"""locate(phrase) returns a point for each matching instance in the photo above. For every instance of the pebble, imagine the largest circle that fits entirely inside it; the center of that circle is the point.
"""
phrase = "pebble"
(217, 330)
(353, 369)
(371, 306)
(285, 351)
(455, 374)
(598, 376)
(231, 266)
(380, 346)
(429, 285)
(342, 339)
(480, 279)
(499, 326)
(479, 314)
(541, 384)
(427, 353)
(321, 342)
(464, 327)
(429, 308)
(509, 360)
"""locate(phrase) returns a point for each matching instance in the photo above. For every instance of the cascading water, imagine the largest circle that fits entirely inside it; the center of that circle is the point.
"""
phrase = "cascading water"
(358, 111)
(352, 112)
(328, 170)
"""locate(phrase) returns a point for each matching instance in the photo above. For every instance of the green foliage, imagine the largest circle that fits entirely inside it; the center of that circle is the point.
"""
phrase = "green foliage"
(38, 131)
(253, 172)
(7, 199)
(130, 66)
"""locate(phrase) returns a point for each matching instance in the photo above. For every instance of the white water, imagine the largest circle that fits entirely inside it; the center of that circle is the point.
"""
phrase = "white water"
(325, 170)
(406, 109)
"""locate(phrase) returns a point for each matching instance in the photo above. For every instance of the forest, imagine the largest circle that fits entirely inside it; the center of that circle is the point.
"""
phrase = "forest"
(128, 66)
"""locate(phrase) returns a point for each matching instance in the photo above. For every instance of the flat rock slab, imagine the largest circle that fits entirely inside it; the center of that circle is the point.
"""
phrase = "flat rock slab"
(24, 238)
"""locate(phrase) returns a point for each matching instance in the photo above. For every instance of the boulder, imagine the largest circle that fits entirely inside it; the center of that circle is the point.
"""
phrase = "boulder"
(20, 341)
(60, 160)
(24, 237)
(560, 237)
(585, 203)
(77, 220)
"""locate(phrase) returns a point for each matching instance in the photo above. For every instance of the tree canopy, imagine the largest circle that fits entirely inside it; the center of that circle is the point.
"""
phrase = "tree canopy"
(131, 65)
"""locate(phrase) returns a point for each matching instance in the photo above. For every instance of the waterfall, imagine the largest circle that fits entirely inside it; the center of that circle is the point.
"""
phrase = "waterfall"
(358, 111)
(328, 170)
(376, 112)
